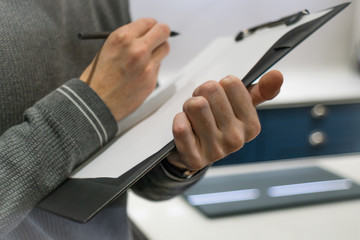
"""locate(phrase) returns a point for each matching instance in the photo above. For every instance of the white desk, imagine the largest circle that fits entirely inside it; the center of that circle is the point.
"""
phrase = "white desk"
(175, 219)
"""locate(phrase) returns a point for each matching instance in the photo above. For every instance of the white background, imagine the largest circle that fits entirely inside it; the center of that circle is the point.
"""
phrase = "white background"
(201, 21)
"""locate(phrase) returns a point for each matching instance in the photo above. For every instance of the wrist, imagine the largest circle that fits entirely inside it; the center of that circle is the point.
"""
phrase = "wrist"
(179, 172)
(174, 166)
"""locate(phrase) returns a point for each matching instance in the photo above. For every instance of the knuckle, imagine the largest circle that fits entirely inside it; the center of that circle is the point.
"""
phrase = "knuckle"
(148, 22)
(196, 104)
(207, 88)
(164, 28)
(234, 141)
(180, 130)
(230, 81)
(138, 51)
(120, 38)
(136, 58)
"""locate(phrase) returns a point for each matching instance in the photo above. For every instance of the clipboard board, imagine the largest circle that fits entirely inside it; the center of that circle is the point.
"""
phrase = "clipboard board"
(87, 192)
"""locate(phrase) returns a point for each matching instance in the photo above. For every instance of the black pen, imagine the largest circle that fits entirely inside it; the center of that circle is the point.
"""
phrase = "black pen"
(104, 35)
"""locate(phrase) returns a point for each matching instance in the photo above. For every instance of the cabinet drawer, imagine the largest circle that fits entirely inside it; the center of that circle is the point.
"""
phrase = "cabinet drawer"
(302, 132)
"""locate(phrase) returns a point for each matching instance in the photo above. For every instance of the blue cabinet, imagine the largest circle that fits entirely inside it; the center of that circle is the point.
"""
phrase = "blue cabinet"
(305, 131)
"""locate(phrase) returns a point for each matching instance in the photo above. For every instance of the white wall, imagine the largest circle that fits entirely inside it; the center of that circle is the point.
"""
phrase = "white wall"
(200, 21)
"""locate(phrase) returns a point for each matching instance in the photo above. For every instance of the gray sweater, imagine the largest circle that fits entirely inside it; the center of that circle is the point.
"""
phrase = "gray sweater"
(50, 121)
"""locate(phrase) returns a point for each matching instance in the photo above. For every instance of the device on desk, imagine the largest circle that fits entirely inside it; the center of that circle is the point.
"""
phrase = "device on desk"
(293, 131)
(244, 193)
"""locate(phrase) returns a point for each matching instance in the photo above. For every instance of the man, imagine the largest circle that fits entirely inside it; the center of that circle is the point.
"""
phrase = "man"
(67, 119)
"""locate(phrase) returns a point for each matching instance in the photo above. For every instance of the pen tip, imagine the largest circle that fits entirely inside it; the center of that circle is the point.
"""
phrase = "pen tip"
(173, 34)
(239, 37)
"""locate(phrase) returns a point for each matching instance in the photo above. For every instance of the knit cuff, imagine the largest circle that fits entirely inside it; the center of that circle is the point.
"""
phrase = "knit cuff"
(178, 174)
(83, 116)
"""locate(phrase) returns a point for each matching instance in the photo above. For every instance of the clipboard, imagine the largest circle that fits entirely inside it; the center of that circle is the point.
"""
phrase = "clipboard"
(87, 191)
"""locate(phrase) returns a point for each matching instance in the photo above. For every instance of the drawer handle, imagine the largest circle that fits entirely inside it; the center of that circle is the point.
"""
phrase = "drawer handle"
(319, 111)
(317, 138)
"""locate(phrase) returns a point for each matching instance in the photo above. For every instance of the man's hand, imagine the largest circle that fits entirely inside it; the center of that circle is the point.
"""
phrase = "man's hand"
(128, 64)
(219, 119)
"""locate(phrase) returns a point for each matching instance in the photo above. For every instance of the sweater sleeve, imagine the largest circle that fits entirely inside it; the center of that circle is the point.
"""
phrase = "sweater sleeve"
(58, 132)
(163, 183)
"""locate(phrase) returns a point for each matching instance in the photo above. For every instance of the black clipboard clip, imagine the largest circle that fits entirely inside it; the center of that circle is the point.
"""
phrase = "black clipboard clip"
(288, 42)
(288, 21)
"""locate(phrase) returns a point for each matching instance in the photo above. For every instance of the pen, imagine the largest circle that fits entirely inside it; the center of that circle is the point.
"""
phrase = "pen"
(104, 35)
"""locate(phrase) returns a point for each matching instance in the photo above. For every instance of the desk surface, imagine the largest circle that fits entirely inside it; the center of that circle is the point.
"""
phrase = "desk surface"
(175, 219)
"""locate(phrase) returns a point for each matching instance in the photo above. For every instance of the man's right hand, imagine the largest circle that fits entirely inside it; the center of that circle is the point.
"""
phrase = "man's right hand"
(128, 65)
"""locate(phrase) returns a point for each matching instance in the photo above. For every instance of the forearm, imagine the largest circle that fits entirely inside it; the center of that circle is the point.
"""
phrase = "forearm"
(59, 132)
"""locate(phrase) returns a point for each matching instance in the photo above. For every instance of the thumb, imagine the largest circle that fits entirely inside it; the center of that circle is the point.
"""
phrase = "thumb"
(267, 88)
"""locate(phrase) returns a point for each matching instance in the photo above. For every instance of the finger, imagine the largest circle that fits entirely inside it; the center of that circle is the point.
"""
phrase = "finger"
(138, 28)
(156, 36)
(185, 140)
(239, 97)
(153, 66)
(202, 121)
(267, 88)
(159, 54)
(243, 108)
(219, 104)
